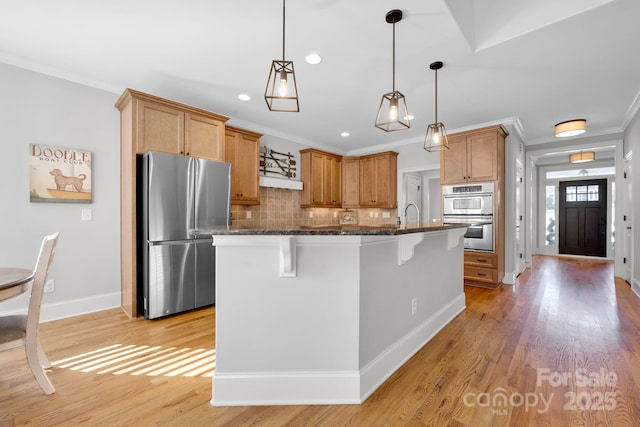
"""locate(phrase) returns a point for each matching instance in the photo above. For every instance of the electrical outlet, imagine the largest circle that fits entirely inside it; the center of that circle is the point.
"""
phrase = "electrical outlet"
(86, 214)
(310, 214)
(376, 214)
(50, 285)
(386, 215)
(248, 214)
(414, 306)
(335, 214)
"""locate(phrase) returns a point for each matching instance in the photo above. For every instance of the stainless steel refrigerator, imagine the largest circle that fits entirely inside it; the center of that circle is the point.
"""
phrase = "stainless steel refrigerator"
(180, 195)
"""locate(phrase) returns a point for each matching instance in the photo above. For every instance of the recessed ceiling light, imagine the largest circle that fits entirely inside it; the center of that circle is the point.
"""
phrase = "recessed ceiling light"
(313, 59)
(244, 97)
(345, 134)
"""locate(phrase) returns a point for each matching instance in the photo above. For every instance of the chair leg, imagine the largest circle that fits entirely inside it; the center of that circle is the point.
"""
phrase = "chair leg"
(33, 350)
(44, 360)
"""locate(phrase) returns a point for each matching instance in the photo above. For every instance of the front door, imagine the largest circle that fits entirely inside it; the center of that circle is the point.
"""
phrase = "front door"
(583, 217)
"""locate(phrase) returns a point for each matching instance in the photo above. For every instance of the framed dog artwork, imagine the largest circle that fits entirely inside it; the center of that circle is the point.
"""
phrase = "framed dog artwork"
(59, 175)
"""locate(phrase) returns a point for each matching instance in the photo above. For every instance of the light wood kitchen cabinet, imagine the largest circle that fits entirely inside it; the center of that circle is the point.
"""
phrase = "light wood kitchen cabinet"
(242, 150)
(481, 267)
(473, 156)
(478, 156)
(151, 123)
(378, 180)
(161, 125)
(350, 182)
(204, 137)
(321, 174)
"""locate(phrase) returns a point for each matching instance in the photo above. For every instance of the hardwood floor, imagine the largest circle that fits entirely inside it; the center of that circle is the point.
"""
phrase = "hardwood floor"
(559, 348)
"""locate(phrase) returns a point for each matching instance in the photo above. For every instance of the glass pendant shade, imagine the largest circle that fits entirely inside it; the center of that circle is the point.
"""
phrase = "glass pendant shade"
(436, 138)
(392, 113)
(281, 93)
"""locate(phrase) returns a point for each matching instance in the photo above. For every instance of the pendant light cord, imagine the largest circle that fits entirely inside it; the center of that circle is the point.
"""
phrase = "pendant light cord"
(436, 96)
(393, 72)
(283, 20)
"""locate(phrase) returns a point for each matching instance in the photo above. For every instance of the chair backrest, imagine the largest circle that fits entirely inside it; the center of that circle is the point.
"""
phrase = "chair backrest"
(45, 257)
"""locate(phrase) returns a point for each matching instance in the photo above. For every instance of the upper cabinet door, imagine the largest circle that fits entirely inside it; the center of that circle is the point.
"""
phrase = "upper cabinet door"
(367, 182)
(242, 151)
(160, 128)
(204, 137)
(482, 157)
(453, 162)
(350, 182)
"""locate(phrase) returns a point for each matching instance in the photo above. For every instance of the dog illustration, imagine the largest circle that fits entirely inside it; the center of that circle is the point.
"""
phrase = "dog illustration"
(63, 181)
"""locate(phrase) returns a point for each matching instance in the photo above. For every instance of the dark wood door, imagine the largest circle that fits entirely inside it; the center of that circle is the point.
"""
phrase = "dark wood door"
(583, 217)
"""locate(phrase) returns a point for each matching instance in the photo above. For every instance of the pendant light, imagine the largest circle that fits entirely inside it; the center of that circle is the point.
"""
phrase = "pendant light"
(281, 93)
(436, 138)
(571, 128)
(392, 113)
(582, 157)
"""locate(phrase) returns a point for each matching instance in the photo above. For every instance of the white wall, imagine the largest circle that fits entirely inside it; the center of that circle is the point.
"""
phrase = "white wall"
(513, 151)
(44, 110)
(632, 142)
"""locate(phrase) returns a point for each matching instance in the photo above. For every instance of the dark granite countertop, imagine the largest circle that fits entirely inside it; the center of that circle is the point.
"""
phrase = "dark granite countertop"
(330, 230)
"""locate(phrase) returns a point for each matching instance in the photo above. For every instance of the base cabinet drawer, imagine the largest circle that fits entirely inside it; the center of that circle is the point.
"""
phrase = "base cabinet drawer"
(480, 259)
(481, 274)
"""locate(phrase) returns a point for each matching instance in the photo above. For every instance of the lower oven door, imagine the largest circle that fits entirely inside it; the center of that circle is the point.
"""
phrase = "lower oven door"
(479, 237)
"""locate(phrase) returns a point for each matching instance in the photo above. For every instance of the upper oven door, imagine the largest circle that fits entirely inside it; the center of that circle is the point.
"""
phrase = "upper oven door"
(471, 199)
(468, 204)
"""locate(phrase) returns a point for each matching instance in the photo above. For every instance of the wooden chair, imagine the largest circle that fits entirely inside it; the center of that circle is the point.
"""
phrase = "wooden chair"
(22, 330)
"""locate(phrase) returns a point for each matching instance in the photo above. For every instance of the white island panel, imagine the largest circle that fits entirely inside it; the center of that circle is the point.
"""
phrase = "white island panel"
(338, 328)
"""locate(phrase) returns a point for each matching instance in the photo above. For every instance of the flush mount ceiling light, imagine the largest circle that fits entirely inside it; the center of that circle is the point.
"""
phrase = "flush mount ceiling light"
(281, 93)
(571, 128)
(436, 138)
(582, 157)
(392, 113)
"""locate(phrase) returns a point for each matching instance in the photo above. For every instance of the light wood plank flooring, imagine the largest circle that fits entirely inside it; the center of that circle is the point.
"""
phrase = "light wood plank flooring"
(560, 348)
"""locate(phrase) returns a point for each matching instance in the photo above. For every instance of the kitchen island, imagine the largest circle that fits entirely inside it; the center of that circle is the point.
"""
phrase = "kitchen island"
(324, 315)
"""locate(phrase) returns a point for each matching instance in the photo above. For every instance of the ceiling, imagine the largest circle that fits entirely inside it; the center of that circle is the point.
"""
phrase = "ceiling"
(525, 63)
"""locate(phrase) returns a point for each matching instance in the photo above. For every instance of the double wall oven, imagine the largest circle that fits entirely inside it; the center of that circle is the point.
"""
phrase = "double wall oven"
(473, 204)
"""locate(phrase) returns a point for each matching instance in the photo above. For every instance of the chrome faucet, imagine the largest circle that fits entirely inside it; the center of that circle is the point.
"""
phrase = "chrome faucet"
(404, 214)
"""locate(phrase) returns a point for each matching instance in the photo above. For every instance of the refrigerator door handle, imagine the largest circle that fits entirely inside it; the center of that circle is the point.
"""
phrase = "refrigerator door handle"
(192, 174)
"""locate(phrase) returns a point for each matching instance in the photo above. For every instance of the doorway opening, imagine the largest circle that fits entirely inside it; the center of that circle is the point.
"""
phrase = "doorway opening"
(423, 189)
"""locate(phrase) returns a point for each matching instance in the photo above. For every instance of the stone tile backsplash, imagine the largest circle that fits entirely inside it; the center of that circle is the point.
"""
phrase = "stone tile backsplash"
(280, 208)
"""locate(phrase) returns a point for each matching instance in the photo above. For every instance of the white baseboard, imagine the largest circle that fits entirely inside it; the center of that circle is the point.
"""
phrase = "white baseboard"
(509, 278)
(285, 388)
(74, 307)
(635, 287)
(382, 367)
(328, 388)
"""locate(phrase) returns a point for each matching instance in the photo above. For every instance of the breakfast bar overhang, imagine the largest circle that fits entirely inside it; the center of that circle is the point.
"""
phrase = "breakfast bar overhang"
(326, 315)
